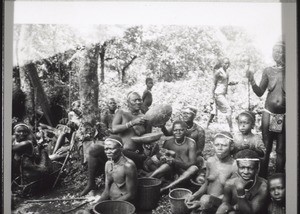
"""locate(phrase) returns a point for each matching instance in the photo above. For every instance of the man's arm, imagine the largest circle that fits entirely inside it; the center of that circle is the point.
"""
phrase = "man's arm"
(131, 182)
(257, 204)
(259, 90)
(108, 182)
(166, 131)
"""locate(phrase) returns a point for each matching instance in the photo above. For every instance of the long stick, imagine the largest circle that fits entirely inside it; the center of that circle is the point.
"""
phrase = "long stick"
(80, 205)
(248, 95)
(54, 199)
(67, 157)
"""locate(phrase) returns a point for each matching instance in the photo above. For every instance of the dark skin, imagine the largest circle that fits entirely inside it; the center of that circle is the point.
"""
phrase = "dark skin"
(138, 124)
(199, 135)
(121, 171)
(181, 151)
(234, 191)
(273, 78)
(138, 127)
(219, 169)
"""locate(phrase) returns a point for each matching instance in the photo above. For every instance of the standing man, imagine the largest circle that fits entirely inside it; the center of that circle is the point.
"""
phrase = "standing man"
(246, 192)
(147, 95)
(120, 173)
(273, 116)
(220, 88)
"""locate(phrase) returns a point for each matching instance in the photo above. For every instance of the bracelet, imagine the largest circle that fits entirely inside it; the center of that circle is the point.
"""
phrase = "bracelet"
(241, 196)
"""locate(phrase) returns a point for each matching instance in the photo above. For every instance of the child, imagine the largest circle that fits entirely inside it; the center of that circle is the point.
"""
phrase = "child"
(147, 95)
(219, 168)
(276, 183)
(245, 139)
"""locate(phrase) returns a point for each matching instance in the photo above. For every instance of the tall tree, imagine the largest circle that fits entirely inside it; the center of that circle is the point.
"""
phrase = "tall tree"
(85, 62)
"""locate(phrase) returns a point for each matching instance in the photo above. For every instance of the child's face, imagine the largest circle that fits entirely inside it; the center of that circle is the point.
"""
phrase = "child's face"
(277, 189)
(149, 84)
(245, 124)
(222, 147)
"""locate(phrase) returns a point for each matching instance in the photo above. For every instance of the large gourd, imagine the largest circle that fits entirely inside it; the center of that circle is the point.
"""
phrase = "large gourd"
(159, 115)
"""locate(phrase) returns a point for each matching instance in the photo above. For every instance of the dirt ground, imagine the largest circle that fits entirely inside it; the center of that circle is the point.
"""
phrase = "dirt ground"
(74, 181)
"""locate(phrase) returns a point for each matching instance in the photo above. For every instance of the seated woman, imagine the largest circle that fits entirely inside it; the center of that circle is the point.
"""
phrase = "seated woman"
(30, 160)
(120, 173)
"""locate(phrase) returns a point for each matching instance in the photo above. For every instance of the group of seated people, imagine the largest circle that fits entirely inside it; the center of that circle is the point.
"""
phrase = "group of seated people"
(231, 183)
(235, 176)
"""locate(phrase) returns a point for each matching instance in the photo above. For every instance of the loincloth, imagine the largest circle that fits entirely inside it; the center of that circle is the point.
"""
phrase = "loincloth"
(276, 121)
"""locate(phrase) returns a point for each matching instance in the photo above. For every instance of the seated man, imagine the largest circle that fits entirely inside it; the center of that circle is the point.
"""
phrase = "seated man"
(276, 183)
(246, 192)
(126, 123)
(194, 131)
(120, 173)
(180, 156)
(130, 123)
(219, 168)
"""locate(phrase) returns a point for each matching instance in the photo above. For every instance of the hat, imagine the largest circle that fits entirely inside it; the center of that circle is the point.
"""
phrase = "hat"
(190, 109)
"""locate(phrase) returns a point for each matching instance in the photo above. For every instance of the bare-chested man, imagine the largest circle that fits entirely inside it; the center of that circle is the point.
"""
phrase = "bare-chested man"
(180, 156)
(273, 117)
(126, 123)
(246, 192)
(120, 173)
(219, 168)
(220, 88)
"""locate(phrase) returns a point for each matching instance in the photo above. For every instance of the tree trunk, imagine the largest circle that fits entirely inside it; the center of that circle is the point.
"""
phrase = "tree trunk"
(38, 93)
(86, 63)
(125, 67)
(102, 59)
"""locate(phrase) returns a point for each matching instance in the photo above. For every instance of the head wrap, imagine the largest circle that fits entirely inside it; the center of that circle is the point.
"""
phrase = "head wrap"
(114, 138)
(223, 135)
(21, 124)
(190, 109)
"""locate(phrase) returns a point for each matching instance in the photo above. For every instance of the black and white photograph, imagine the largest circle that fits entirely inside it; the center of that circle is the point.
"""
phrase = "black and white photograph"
(150, 108)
